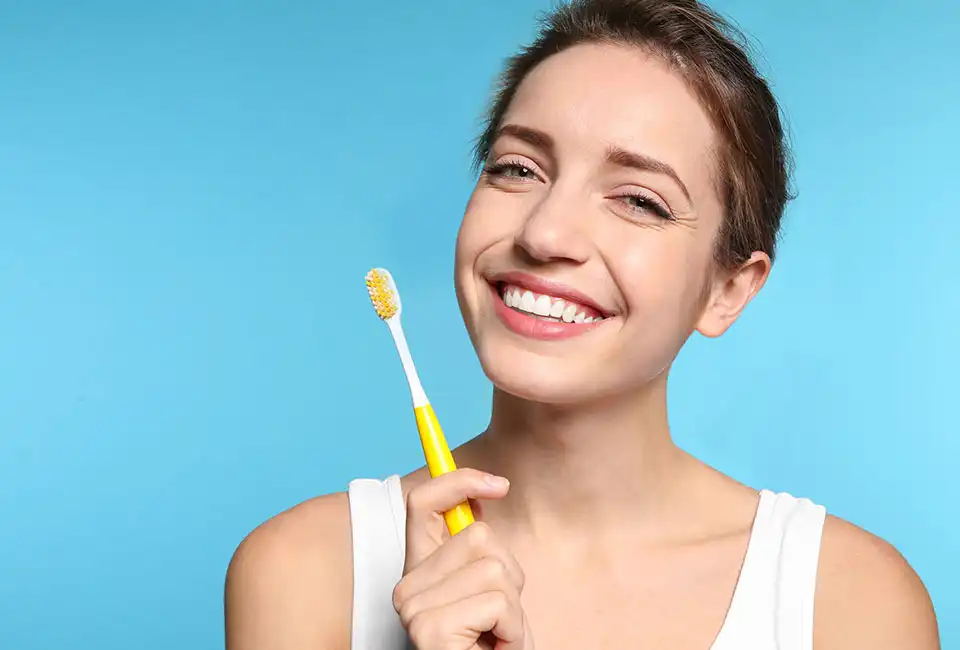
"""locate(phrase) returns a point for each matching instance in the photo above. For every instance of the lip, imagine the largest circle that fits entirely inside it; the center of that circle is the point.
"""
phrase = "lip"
(549, 287)
(530, 326)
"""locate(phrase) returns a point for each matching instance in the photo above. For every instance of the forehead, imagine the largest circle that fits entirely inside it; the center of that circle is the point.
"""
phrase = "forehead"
(592, 96)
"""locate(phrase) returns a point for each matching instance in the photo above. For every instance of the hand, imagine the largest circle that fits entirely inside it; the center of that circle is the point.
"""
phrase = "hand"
(459, 593)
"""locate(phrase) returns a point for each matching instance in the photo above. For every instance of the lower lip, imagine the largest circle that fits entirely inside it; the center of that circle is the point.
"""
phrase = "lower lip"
(534, 327)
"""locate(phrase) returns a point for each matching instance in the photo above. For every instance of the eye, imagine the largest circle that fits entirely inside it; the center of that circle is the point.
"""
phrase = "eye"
(512, 170)
(644, 204)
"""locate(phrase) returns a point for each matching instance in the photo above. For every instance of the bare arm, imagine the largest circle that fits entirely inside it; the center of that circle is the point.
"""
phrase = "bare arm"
(290, 583)
(868, 597)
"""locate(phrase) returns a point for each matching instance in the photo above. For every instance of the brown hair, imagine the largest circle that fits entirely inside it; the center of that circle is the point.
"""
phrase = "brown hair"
(712, 55)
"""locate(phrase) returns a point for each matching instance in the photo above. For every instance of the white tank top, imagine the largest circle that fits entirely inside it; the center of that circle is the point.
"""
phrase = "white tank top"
(771, 609)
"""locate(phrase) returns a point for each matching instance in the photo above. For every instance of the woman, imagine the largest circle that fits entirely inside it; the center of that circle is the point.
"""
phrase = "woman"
(634, 174)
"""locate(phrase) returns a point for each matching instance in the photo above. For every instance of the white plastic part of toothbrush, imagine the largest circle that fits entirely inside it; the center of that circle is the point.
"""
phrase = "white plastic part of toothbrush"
(416, 388)
(413, 379)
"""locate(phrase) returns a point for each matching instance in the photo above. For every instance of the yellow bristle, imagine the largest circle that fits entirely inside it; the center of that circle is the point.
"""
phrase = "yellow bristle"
(381, 294)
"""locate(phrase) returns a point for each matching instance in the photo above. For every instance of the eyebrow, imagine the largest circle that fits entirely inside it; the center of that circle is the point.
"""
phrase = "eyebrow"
(624, 158)
(533, 137)
(615, 155)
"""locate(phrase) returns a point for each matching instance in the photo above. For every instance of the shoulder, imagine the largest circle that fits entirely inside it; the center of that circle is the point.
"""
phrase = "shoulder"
(290, 581)
(868, 596)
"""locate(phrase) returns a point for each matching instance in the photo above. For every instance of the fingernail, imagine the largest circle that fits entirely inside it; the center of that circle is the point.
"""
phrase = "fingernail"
(496, 481)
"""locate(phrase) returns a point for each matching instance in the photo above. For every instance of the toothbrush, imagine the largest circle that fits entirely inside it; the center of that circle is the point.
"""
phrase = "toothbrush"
(386, 302)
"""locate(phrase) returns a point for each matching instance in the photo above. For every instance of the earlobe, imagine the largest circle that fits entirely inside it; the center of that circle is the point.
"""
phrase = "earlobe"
(730, 294)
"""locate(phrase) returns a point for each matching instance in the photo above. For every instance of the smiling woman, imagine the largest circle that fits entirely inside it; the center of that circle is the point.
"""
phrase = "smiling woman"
(633, 177)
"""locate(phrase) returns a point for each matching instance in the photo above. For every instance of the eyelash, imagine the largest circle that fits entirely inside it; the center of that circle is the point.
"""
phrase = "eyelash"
(646, 204)
(499, 169)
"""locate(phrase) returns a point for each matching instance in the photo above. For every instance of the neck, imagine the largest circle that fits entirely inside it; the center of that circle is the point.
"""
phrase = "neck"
(581, 467)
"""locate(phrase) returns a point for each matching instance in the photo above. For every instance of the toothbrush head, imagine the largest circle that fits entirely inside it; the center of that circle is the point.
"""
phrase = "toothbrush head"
(383, 293)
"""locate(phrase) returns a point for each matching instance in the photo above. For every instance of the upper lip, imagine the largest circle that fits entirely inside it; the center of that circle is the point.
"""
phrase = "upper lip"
(549, 287)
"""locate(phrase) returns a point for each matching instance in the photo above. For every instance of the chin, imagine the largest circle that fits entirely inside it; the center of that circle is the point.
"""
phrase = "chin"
(541, 379)
(567, 376)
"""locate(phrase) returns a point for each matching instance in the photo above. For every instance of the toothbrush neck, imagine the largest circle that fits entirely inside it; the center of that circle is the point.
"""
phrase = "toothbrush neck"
(417, 393)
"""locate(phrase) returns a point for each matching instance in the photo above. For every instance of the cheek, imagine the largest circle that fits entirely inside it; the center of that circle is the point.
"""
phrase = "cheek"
(490, 219)
(660, 274)
(478, 232)
(464, 261)
(468, 237)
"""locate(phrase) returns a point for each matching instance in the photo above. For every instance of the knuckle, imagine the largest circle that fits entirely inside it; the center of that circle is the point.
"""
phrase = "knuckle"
(399, 596)
(416, 498)
(495, 570)
(503, 601)
(479, 535)
(407, 612)
(521, 576)
(421, 629)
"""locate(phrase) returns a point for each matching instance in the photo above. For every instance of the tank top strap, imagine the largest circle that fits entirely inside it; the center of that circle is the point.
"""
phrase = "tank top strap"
(378, 525)
(800, 530)
(773, 602)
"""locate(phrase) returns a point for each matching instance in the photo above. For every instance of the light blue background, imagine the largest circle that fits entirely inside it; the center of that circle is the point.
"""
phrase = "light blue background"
(191, 192)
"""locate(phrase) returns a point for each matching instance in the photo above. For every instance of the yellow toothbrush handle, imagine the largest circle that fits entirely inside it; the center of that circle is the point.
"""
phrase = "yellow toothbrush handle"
(440, 461)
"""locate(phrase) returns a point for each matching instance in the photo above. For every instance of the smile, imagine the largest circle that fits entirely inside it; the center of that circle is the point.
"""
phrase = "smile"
(547, 307)
(540, 315)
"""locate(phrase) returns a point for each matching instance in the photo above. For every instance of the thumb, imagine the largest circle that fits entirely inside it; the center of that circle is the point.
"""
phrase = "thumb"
(427, 502)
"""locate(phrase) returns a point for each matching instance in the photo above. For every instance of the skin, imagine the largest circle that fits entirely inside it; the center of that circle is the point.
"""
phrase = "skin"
(650, 539)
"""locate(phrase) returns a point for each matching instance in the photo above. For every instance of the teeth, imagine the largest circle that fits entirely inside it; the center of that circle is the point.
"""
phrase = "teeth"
(527, 302)
(546, 306)
(542, 306)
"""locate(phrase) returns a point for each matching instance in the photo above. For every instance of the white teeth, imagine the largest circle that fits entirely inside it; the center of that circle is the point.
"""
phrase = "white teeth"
(527, 302)
(546, 306)
(542, 306)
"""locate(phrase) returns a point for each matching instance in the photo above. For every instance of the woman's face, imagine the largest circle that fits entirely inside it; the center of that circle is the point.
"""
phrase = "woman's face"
(598, 206)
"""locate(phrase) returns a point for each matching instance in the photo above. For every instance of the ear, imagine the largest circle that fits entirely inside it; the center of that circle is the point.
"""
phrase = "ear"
(730, 292)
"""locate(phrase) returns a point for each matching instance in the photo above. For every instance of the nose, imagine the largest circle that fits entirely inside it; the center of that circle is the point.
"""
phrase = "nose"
(555, 230)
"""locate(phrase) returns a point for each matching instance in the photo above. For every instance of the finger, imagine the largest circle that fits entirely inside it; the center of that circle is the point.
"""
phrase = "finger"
(460, 624)
(476, 542)
(483, 575)
(427, 502)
